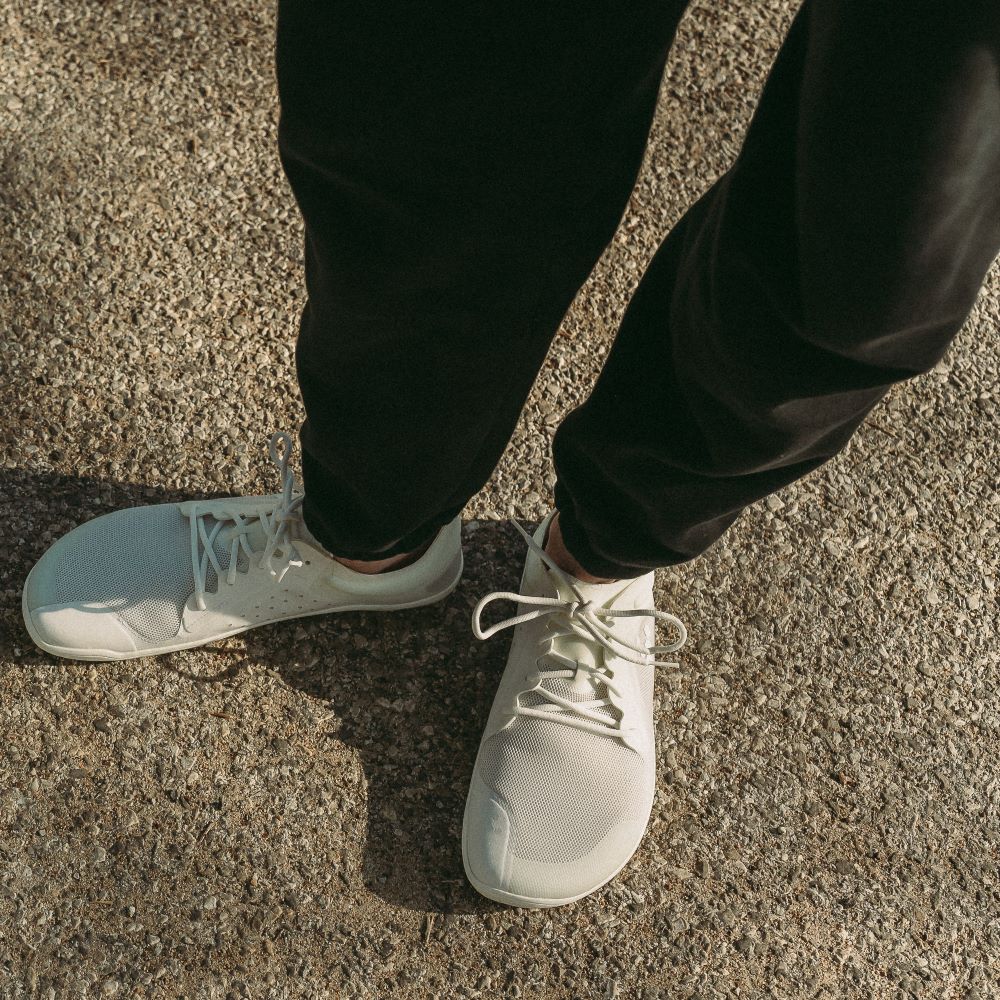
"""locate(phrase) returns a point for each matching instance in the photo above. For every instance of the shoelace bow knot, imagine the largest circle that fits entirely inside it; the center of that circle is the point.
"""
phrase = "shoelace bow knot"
(275, 523)
(584, 621)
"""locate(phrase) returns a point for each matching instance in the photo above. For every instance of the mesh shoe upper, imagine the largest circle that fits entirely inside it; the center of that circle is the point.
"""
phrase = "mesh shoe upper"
(136, 561)
(563, 788)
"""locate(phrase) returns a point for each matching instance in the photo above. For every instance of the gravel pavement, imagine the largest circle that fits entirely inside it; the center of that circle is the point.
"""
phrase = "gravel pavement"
(278, 815)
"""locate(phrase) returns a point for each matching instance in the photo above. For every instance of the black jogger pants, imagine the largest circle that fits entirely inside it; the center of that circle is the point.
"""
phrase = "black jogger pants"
(462, 167)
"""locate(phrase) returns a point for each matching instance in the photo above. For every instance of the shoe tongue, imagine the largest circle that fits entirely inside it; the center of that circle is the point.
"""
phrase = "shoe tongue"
(584, 651)
(256, 536)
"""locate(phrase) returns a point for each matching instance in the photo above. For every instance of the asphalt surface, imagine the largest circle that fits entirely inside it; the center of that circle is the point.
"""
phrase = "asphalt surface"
(278, 815)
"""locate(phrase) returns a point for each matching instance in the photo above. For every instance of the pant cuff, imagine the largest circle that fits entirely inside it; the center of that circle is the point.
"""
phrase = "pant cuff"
(336, 545)
(580, 548)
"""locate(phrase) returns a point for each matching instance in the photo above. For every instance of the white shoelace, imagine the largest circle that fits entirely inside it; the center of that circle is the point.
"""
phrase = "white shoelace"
(275, 523)
(582, 620)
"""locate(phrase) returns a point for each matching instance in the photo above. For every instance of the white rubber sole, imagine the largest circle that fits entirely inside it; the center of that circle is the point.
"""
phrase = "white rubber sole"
(532, 902)
(106, 655)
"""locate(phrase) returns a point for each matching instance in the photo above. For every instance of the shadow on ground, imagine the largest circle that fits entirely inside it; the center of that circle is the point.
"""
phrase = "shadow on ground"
(409, 690)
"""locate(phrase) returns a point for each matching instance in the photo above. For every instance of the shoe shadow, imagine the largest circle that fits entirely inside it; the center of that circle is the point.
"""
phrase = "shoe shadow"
(408, 690)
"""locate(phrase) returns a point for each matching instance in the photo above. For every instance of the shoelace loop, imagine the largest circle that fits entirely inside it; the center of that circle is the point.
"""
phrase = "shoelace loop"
(275, 523)
(585, 621)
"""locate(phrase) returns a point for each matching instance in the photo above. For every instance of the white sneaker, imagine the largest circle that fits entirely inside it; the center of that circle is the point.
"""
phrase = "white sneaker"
(563, 783)
(150, 580)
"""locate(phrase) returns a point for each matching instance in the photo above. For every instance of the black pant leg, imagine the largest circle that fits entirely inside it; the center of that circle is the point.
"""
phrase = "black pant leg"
(460, 169)
(840, 254)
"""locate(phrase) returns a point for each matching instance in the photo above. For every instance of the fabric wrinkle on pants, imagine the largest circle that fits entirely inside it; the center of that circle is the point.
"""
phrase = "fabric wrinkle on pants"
(460, 176)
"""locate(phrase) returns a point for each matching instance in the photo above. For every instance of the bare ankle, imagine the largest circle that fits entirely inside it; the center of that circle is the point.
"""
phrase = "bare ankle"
(384, 565)
(560, 555)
